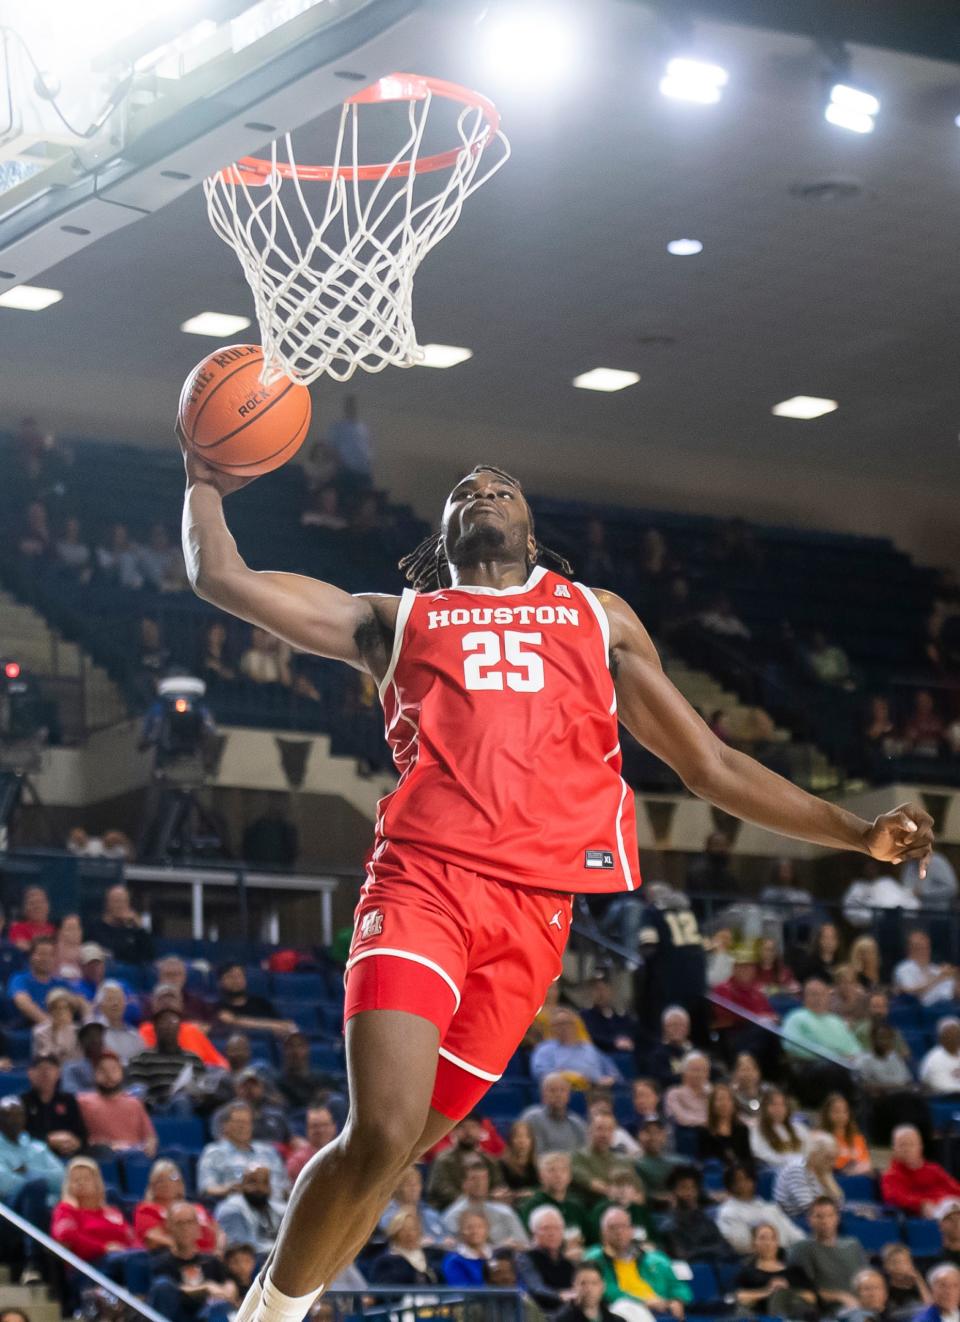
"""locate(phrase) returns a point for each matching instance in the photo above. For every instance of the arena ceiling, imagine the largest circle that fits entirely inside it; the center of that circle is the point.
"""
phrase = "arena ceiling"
(829, 268)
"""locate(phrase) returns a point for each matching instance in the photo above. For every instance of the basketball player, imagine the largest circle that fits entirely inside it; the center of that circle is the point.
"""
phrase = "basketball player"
(501, 681)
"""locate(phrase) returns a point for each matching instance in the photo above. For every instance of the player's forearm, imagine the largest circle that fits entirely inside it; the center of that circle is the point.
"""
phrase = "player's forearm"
(744, 788)
(209, 549)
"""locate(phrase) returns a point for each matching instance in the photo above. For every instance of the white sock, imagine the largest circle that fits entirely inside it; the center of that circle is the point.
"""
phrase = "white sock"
(275, 1306)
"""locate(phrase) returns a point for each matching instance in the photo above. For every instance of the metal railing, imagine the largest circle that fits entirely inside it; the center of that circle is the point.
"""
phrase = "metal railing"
(427, 1302)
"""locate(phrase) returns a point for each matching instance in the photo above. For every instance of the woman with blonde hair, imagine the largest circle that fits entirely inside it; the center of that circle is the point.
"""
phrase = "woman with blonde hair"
(83, 1221)
(686, 1104)
(164, 1188)
(777, 1138)
(800, 1183)
(865, 962)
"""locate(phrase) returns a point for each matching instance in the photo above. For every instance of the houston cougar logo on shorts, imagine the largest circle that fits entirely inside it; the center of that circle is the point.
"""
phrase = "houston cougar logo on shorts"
(371, 924)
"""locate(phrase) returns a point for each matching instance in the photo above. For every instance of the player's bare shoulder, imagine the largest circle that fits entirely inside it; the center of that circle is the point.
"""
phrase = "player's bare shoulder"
(627, 633)
(375, 629)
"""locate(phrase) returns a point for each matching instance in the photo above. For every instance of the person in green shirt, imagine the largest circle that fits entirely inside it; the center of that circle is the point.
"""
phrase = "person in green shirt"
(626, 1191)
(813, 1024)
(554, 1171)
(654, 1165)
(594, 1163)
(631, 1271)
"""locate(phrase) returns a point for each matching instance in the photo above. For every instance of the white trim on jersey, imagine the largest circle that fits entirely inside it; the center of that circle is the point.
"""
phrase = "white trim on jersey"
(602, 620)
(536, 574)
(624, 861)
(470, 1069)
(408, 597)
(416, 959)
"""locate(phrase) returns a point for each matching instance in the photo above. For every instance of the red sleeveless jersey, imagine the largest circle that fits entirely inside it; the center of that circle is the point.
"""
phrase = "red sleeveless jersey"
(501, 717)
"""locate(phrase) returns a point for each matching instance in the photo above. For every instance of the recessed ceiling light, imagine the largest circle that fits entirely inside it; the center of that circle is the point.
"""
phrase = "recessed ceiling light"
(605, 378)
(693, 80)
(444, 355)
(804, 406)
(215, 324)
(535, 46)
(684, 247)
(30, 298)
(851, 108)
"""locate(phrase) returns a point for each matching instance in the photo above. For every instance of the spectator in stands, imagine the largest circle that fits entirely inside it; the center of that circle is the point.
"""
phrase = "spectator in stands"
(880, 735)
(830, 1261)
(120, 930)
(240, 1261)
(518, 1163)
(83, 1221)
(829, 663)
(505, 1227)
(596, 562)
(252, 1214)
(28, 989)
(801, 1182)
(239, 1009)
(405, 1260)
(872, 1296)
(878, 1012)
(78, 1074)
(877, 889)
(686, 1103)
(938, 888)
(580, 1062)
(542, 1026)
(447, 1171)
(223, 1162)
(35, 921)
(666, 1060)
(865, 964)
(918, 976)
(886, 1080)
(162, 1070)
(35, 541)
(736, 1034)
(555, 1129)
(944, 1283)
(949, 1222)
(906, 1289)
(588, 1304)
(594, 1163)
(823, 955)
(464, 1265)
(687, 1232)
(721, 620)
(30, 1177)
(771, 974)
(93, 969)
(654, 1164)
(164, 1188)
(217, 664)
(836, 1119)
(544, 1271)
(115, 1120)
(813, 1024)
(940, 1067)
(57, 1036)
(912, 1184)
(69, 946)
(267, 660)
(609, 1029)
(110, 1007)
(777, 1138)
(118, 559)
(351, 443)
(742, 1211)
(556, 1173)
(52, 1115)
(634, 1272)
(646, 1099)
(72, 554)
(766, 1284)
(186, 1281)
(297, 1083)
(191, 1036)
(161, 561)
(323, 510)
(923, 732)
(723, 1138)
(172, 972)
(408, 1197)
(710, 872)
(321, 1130)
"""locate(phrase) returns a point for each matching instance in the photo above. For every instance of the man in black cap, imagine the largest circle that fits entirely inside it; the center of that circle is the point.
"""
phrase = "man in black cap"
(166, 1068)
(609, 1030)
(52, 1114)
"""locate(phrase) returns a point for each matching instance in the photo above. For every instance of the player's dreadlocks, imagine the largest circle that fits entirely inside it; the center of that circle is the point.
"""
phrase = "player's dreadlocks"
(426, 566)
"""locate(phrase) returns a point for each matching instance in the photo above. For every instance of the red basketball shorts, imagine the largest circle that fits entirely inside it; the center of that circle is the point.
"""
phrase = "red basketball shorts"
(473, 955)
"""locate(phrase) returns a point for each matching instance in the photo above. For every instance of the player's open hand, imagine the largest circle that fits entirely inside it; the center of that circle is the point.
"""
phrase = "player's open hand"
(904, 832)
(198, 470)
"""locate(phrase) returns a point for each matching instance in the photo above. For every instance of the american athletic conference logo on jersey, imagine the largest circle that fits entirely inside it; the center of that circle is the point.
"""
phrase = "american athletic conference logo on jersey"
(371, 924)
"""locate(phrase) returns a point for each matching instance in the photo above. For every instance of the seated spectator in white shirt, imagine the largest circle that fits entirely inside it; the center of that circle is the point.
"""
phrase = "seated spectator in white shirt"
(873, 891)
(720, 618)
(918, 976)
(777, 1139)
(505, 1226)
(938, 888)
(580, 1062)
(118, 558)
(742, 1211)
(72, 552)
(940, 1067)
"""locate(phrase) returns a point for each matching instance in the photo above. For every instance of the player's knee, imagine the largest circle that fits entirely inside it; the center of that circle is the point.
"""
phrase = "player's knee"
(384, 1142)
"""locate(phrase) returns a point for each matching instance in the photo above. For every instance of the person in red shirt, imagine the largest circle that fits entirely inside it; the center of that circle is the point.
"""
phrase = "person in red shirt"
(735, 1033)
(912, 1184)
(83, 1221)
(35, 921)
(321, 1130)
(115, 1120)
(164, 1188)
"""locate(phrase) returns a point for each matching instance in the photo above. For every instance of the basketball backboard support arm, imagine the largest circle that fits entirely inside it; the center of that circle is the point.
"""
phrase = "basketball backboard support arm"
(215, 115)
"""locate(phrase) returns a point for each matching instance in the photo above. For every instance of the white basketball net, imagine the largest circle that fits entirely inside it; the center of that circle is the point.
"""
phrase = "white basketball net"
(333, 287)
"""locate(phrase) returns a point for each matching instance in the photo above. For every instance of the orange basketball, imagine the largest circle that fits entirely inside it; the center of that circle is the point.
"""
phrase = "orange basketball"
(234, 422)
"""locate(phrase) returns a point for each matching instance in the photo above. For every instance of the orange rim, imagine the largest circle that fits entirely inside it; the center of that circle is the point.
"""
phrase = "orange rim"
(256, 170)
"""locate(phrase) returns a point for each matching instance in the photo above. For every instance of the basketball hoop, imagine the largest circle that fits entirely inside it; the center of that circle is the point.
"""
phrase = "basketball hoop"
(333, 284)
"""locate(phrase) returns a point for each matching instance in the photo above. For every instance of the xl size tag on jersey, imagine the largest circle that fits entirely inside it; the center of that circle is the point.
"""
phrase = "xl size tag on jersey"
(598, 858)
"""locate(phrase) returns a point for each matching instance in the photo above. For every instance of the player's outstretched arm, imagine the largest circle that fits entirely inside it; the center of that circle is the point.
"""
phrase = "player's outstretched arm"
(310, 615)
(660, 718)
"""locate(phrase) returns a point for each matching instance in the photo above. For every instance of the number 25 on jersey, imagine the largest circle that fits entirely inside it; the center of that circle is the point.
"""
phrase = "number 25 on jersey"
(483, 652)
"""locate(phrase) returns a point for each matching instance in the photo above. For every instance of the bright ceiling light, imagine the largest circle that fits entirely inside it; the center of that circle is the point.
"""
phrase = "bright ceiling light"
(850, 108)
(215, 324)
(605, 378)
(684, 247)
(804, 406)
(533, 44)
(693, 80)
(444, 355)
(29, 298)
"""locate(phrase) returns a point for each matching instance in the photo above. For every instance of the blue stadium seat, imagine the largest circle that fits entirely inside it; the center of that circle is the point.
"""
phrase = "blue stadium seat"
(259, 982)
(518, 1067)
(873, 1235)
(110, 1170)
(706, 1288)
(308, 987)
(326, 1058)
(765, 1182)
(136, 1172)
(944, 1114)
(923, 1238)
(187, 1134)
(686, 1141)
(626, 1063)
(858, 1188)
(18, 1045)
(306, 1016)
(713, 1176)
(906, 1013)
(15, 1081)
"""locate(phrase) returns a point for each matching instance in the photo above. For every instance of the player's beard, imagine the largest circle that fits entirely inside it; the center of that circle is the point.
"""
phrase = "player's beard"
(481, 543)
